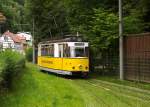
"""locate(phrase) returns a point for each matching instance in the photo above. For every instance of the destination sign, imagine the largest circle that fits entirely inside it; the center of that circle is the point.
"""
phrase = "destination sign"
(79, 44)
(48, 62)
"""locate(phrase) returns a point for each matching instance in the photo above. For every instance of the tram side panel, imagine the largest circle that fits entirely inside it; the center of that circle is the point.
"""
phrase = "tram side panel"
(52, 60)
(51, 63)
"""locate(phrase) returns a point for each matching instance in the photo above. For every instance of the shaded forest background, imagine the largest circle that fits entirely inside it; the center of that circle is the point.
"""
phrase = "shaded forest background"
(97, 20)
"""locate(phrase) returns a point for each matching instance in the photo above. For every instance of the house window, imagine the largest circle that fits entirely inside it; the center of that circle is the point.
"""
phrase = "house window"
(5, 38)
(9, 45)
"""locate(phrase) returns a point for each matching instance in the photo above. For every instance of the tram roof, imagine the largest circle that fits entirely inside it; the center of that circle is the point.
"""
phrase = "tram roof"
(68, 39)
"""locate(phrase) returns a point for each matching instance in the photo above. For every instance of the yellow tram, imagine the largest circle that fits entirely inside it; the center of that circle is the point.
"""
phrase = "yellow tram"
(68, 56)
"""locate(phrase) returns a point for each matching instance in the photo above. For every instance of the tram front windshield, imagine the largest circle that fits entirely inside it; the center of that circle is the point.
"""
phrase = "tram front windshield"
(81, 52)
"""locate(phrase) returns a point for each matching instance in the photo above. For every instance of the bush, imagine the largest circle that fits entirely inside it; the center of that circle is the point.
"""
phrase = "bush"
(11, 65)
(29, 54)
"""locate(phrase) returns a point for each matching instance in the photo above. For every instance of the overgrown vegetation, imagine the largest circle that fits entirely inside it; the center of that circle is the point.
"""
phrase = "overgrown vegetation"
(11, 66)
(29, 54)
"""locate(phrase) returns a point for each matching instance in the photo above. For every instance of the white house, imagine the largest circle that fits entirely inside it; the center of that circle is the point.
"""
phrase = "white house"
(7, 42)
(26, 35)
(13, 41)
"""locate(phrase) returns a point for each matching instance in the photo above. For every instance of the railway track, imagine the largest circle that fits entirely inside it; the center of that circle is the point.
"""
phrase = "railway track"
(97, 98)
(123, 86)
(102, 92)
(142, 97)
(110, 91)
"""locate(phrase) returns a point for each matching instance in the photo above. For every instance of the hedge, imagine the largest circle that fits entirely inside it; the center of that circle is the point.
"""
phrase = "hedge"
(11, 65)
(29, 54)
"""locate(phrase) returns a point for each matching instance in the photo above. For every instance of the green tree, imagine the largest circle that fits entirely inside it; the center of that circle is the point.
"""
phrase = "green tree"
(97, 19)
(143, 9)
(49, 17)
(13, 12)
(103, 28)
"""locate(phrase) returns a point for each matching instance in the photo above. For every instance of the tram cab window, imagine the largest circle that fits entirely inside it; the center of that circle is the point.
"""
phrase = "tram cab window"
(79, 52)
(87, 51)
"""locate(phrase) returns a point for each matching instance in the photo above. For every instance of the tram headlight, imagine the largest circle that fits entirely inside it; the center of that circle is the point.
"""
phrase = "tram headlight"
(86, 68)
(80, 67)
(73, 67)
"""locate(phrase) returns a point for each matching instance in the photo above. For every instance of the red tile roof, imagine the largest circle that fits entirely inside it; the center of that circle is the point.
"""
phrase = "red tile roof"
(16, 38)
(8, 34)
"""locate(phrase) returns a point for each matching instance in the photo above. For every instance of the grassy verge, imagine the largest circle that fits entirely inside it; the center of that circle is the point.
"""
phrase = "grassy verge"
(36, 89)
(11, 65)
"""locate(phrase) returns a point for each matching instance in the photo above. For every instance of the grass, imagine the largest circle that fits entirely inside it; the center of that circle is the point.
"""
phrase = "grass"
(37, 89)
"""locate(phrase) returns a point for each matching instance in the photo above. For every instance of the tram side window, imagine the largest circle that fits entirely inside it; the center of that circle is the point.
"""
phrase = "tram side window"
(66, 50)
(47, 50)
(51, 51)
(60, 50)
(43, 51)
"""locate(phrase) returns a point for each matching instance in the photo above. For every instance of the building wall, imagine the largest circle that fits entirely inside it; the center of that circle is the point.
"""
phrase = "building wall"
(7, 43)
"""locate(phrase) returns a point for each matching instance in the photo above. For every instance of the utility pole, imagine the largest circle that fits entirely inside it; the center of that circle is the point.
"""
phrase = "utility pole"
(33, 43)
(121, 41)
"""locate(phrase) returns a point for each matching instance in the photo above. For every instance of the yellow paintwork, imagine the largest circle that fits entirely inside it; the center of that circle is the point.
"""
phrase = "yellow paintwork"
(65, 64)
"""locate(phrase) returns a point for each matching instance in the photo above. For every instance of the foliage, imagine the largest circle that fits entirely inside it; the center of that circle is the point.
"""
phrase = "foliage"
(29, 54)
(103, 28)
(70, 15)
(12, 65)
(14, 12)
(49, 18)
(132, 25)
